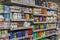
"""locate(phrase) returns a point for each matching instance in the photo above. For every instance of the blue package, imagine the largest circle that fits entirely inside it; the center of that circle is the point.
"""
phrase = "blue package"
(26, 33)
(45, 26)
(19, 34)
(11, 35)
(22, 15)
(58, 22)
(33, 34)
(55, 12)
(53, 37)
(6, 15)
(7, 8)
(42, 18)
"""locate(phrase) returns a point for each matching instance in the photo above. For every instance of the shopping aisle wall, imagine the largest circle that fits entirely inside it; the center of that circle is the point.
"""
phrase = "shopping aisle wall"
(28, 20)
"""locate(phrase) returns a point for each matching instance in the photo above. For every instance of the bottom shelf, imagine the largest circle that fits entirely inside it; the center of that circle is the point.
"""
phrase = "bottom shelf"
(45, 36)
(22, 37)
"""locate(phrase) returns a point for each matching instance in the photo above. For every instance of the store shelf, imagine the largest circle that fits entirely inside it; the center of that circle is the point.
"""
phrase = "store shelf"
(17, 4)
(20, 28)
(7, 12)
(33, 6)
(4, 27)
(4, 11)
(22, 20)
(28, 13)
(24, 7)
(15, 11)
(21, 37)
(43, 29)
(43, 22)
(1, 11)
(50, 8)
(44, 15)
(20, 12)
(45, 36)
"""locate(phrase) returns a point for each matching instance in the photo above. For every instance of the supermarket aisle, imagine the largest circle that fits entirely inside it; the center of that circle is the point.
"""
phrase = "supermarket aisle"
(29, 20)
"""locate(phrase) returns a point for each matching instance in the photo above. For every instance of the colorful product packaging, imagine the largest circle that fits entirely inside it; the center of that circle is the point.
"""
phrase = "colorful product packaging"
(41, 26)
(15, 35)
(6, 16)
(1, 18)
(22, 15)
(6, 8)
(43, 11)
(19, 16)
(30, 31)
(36, 19)
(1, 8)
(15, 16)
(35, 35)
(45, 26)
(23, 33)
(27, 16)
(26, 33)
(11, 35)
(1, 24)
(40, 34)
(19, 34)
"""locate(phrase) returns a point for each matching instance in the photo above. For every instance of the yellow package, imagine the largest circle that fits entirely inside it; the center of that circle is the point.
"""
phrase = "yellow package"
(6, 32)
(27, 16)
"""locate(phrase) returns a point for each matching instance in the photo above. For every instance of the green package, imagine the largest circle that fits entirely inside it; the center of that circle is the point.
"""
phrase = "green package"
(42, 26)
(36, 34)
(34, 26)
(1, 7)
(3, 32)
(15, 35)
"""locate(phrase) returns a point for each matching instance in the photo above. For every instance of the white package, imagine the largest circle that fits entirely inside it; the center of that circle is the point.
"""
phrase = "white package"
(15, 16)
(19, 15)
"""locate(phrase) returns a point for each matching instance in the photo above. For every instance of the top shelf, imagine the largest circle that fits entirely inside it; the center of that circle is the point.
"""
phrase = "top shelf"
(23, 5)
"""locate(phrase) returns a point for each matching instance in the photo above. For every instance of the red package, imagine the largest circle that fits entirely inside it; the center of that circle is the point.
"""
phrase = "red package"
(30, 32)
(1, 24)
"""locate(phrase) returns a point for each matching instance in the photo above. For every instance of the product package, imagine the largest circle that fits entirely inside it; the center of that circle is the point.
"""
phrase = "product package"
(1, 18)
(1, 8)
(6, 16)
(6, 9)
(15, 16)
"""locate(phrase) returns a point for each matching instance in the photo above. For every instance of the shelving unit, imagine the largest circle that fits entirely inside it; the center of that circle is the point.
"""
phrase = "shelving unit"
(43, 22)
(43, 29)
(28, 21)
(44, 15)
(21, 28)
(21, 38)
